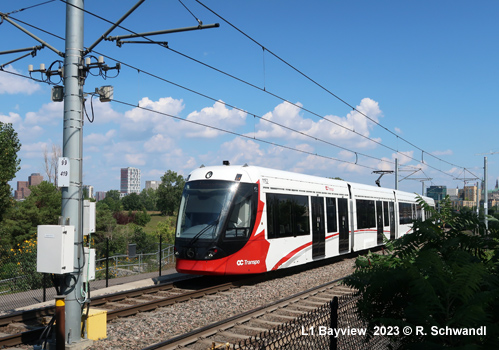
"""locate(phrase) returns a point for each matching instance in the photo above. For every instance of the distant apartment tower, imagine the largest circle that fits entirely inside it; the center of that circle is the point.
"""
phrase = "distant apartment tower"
(436, 192)
(100, 195)
(130, 181)
(152, 184)
(90, 191)
(471, 193)
(23, 190)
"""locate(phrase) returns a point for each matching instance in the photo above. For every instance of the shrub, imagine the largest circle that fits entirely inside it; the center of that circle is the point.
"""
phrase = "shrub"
(445, 274)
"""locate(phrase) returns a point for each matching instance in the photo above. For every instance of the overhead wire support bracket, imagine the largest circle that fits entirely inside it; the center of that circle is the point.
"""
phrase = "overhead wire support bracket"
(6, 18)
(32, 53)
(33, 50)
(103, 36)
(413, 172)
(167, 31)
(119, 43)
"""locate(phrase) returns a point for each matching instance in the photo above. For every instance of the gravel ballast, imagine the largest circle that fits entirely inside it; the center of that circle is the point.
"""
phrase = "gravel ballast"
(142, 330)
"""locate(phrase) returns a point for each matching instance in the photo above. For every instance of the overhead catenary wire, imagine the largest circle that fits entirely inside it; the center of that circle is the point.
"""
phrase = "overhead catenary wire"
(304, 134)
(240, 135)
(30, 7)
(281, 98)
(270, 121)
(316, 83)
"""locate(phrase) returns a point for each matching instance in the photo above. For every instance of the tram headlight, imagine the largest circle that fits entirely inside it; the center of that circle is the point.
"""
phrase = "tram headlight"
(211, 253)
(190, 253)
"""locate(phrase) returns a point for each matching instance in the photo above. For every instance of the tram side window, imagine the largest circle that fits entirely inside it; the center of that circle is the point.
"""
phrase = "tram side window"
(385, 214)
(419, 212)
(287, 215)
(366, 214)
(405, 213)
(332, 222)
(243, 213)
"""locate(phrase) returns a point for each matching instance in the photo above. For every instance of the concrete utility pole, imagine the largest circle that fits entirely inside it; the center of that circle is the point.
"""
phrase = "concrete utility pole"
(72, 199)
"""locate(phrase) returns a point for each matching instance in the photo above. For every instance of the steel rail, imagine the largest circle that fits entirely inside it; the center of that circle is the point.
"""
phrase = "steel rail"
(220, 326)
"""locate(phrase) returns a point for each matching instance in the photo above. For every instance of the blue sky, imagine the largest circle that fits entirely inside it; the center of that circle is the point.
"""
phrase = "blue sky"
(426, 72)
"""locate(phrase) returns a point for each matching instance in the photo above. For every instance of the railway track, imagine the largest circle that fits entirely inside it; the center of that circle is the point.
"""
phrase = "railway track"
(27, 326)
(221, 335)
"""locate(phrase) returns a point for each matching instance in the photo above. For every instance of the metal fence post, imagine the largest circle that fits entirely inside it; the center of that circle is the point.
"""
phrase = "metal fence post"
(159, 254)
(107, 262)
(333, 341)
(44, 284)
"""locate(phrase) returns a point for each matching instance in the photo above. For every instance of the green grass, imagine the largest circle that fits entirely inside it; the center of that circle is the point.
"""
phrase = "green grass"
(156, 217)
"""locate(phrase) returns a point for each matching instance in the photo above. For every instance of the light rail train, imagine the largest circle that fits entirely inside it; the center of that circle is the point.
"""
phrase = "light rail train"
(245, 219)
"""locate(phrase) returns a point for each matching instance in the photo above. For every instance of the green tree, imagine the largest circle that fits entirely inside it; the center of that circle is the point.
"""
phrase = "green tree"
(132, 202)
(9, 164)
(142, 218)
(41, 207)
(166, 229)
(112, 201)
(105, 224)
(149, 199)
(170, 192)
(445, 274)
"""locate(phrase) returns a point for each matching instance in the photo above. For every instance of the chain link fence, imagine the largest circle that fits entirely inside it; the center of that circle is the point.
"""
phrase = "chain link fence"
(21, 285)
(333, 326)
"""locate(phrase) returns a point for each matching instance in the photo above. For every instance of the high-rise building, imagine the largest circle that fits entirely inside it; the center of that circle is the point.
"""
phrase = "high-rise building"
(90, 191)
(436, 192)
(130, 181)
(23, 190)
(35, 179)
(100, 195)
(152, 184)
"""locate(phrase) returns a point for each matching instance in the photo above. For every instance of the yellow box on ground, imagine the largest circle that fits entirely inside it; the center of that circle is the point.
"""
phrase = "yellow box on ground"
(96, 324)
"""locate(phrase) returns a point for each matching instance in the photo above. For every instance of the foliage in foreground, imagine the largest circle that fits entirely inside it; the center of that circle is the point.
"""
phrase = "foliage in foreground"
(445, 274)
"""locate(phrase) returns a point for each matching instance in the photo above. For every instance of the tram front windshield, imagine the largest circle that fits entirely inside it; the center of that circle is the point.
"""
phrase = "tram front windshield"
(204, 207)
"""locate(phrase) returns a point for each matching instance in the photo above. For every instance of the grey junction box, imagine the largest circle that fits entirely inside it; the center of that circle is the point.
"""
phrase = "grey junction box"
(55, 252)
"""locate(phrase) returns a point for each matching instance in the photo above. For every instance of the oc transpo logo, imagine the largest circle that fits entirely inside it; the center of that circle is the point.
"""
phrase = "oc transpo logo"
(247, 262)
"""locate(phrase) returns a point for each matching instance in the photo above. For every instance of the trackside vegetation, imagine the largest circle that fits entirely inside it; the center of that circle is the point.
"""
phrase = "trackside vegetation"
(442, 277)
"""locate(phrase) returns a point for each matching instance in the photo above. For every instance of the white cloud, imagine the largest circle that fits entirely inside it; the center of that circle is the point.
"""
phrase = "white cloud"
(99, 139)
(12, 118)
(343, 131)
(51, 113)
(33, 150)
(135, 159)
(158, 143)
(218, 116)
(13, 84)
(101, 112)
(141, 123)
(403, 157)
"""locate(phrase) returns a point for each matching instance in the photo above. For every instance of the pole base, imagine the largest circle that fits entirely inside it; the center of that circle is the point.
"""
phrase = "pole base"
(81, 345)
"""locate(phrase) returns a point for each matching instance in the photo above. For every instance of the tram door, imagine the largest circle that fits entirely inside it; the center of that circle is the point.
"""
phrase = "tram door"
(318, 228)
(379, 221)
(392, 220)
(343, 225)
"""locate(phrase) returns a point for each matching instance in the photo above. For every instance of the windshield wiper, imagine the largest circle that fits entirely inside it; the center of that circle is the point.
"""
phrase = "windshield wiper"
(200, 233)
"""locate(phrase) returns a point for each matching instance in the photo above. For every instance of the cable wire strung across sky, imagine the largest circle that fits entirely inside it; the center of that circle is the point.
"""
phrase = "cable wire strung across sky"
(298, 106)
(276, 96)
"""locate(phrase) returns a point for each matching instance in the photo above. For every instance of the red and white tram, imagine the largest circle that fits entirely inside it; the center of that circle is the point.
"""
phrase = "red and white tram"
(247, 219)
